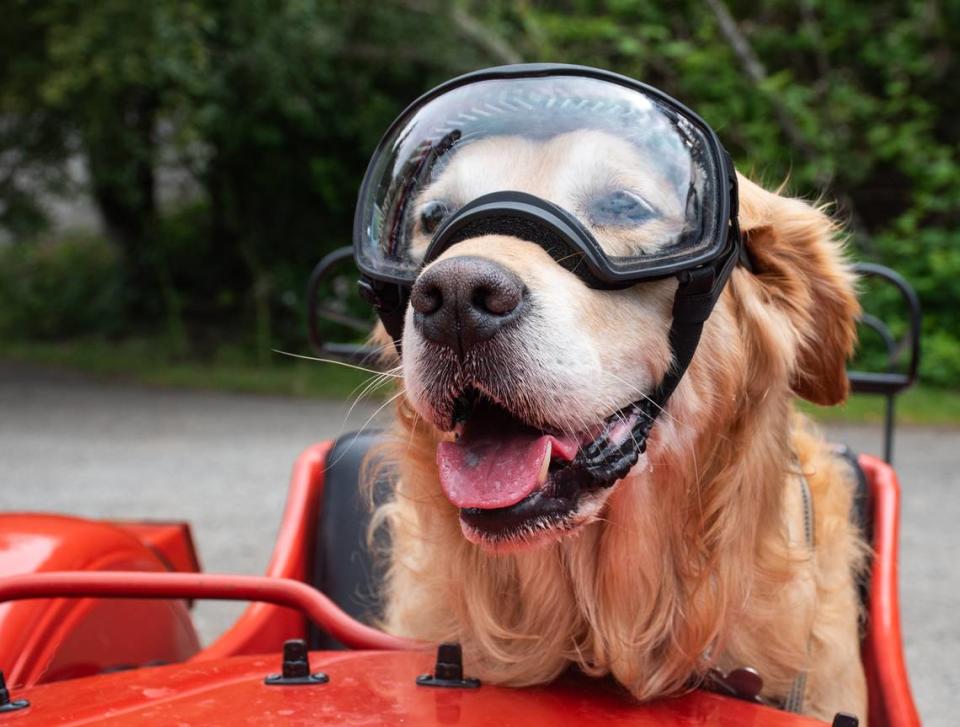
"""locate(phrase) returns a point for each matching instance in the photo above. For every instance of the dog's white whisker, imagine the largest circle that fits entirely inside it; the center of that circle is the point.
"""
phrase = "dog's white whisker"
(366, 387)
(644, 395)
(572, 255)
(335, 362)
(365, 425)
(413, 429)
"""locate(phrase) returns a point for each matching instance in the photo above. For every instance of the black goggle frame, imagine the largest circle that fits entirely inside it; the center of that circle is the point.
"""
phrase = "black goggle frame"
(701, 277)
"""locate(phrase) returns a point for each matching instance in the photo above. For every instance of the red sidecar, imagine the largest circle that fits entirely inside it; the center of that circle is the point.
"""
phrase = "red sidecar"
(95, 628)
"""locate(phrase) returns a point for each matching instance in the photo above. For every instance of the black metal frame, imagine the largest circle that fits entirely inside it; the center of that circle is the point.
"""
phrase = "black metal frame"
(345, 352)
(889, 383)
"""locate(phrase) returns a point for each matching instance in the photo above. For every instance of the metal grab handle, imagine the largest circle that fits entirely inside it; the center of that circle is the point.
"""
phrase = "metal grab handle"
(347, 352)
(891, 382)
(137, 584)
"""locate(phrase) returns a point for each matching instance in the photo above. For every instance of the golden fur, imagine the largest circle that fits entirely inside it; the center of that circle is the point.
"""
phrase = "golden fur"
(696, 558)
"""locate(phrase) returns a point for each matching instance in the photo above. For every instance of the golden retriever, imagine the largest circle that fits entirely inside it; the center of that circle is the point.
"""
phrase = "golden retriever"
(697, 558)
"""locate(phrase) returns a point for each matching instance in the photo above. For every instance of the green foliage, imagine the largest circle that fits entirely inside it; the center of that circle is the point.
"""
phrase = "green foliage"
(929, 257)
(857, 103)
(148, 360)
(272, 109)
(64, 287)
(921, 405)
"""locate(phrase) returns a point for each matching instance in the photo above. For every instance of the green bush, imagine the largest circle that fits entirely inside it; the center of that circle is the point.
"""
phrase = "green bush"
(273, 107)
(58, 288)
(929, 259)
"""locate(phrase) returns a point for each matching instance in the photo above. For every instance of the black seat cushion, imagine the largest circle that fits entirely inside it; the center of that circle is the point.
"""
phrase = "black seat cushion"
(862, 514)
(343, 566)
(862, 496)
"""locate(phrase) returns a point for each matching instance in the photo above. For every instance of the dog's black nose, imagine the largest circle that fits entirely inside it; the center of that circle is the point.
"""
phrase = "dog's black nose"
(462, 301)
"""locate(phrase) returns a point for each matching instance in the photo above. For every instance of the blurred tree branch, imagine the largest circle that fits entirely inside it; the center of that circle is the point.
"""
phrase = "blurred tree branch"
(755, 70)
(482, 36)
(757, 73)
(470, 28)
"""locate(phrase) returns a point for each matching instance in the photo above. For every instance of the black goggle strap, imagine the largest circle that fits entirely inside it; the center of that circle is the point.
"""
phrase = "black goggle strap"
(389, 300)
(527, 217)
(697, 293)
(516, 214)
(696, 296)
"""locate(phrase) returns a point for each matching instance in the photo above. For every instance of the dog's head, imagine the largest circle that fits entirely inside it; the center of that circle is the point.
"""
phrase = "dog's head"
(518, 364)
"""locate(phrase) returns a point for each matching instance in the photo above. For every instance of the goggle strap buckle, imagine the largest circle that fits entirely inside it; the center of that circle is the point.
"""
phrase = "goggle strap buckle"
(700, 288)
(390, 302)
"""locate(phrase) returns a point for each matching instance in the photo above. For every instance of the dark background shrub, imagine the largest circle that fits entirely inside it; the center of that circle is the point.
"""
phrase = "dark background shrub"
(270, 110)
(67, 286)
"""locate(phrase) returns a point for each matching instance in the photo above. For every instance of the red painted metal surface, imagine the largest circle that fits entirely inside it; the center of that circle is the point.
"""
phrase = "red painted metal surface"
(170, 542)
(278, 591)
(58, 639)
(891, 701)
(375, 688)
(264, 627)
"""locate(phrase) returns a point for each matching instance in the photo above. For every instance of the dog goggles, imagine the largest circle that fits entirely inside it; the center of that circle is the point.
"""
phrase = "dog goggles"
(630, 186)
(658, 197)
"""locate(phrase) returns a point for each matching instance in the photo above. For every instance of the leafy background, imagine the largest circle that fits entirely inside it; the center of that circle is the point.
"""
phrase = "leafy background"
(264, 112)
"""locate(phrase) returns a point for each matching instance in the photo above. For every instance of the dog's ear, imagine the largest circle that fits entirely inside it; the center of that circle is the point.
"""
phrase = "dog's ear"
(801, 268)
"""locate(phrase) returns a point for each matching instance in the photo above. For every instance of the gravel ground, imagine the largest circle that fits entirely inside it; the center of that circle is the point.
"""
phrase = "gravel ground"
(73, 445)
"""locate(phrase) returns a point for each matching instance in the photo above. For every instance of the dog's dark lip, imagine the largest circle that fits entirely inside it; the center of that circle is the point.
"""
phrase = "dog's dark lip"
(540, 510)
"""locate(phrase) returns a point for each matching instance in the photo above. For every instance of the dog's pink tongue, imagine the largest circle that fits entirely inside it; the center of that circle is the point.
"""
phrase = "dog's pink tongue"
(497, 462)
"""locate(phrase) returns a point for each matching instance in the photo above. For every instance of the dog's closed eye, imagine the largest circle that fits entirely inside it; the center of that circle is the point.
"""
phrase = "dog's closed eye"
(432, 215)
(620, 208)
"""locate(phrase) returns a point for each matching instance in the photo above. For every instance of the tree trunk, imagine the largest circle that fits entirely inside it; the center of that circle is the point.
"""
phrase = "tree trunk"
(121, 153)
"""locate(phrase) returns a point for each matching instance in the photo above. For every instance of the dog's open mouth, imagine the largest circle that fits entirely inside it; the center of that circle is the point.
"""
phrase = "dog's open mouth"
(512, 480)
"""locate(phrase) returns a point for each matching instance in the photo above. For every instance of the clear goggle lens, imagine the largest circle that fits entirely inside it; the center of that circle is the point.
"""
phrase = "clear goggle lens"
(640, 175)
